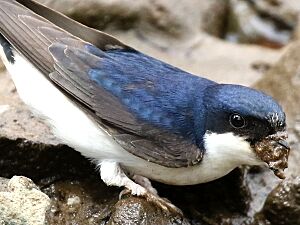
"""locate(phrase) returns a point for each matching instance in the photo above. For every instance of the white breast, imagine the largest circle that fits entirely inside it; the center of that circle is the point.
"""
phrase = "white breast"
(79, 131)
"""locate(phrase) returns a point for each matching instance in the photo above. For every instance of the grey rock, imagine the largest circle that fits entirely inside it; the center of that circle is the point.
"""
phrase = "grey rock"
(265, 22)
(150, 16)
(284, 11)
(137, 211)
(23, 203)
(222, 201)
(3, 184)
(282, 206)
(87, 202)
(282, 82)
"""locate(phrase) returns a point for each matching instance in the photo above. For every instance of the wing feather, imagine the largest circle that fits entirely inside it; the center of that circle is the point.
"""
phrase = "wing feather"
(65, 60)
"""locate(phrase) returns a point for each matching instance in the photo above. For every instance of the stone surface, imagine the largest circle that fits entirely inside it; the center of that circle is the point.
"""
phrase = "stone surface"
(150, 16)
(137, 211)
(282, 206)
(23, 203)
(270, 23)
(282, 81)
(284, 11)
(222, 201)
(87, 201)
(3, 184)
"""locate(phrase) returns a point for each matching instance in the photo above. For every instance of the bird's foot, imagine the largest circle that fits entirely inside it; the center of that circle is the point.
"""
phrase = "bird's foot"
(163, 203)
(132, 188)
(153, 198)
(145, 182)
(112, 174)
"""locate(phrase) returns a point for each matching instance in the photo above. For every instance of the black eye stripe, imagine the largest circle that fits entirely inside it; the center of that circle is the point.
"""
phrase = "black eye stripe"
(237, 121)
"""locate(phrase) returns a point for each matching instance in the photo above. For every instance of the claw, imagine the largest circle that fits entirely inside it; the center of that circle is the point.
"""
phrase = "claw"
(162, 203)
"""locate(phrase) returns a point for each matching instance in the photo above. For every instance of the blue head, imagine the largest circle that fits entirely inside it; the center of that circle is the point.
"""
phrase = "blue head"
(243, 111)
(246, 124)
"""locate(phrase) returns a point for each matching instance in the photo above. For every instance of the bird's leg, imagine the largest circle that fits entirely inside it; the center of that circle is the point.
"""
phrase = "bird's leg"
(113, 175)
(145, 182)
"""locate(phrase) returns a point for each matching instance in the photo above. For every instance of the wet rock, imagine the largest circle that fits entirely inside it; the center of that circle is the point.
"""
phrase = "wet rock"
(42, 163)
(217, 202)
(85, 201)
(137, 211)
(23, 203)
(282, 206)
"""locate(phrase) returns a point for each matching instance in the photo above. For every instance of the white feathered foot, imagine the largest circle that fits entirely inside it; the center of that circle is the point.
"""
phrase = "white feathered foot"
(113, 175)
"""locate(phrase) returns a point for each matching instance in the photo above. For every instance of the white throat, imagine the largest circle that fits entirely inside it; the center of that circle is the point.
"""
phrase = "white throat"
(229, 149)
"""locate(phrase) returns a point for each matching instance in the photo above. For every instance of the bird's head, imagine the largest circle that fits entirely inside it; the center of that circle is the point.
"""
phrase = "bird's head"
(247, 125)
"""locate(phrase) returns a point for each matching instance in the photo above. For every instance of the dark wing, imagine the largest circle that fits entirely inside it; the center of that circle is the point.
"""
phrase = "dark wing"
(78, 68)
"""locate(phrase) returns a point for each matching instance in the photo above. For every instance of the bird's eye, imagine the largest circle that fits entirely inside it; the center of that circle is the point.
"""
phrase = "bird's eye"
(237, 121)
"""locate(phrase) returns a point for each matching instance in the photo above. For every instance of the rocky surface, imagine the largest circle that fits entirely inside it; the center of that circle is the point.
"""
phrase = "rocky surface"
(285, 76)
(247, 196)
(84, 201)
(265, 22)
(137, 211)
(21, 202)
(282, 205)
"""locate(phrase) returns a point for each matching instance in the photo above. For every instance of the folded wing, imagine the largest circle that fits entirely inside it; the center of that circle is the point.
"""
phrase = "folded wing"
(143, 103)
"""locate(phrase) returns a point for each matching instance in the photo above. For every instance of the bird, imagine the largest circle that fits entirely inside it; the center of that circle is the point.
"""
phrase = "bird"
(136, 117)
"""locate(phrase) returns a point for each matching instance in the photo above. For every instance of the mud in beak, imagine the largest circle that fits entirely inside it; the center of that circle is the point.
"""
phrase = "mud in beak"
(274, 150)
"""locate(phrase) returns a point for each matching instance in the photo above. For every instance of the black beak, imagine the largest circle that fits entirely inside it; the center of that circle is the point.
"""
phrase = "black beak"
(284, 144)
